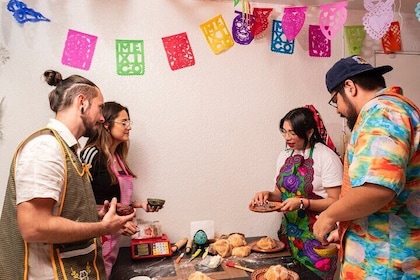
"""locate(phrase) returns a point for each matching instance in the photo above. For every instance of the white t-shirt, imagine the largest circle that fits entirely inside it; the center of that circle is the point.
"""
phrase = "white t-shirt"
(40, 174)
(328, 169)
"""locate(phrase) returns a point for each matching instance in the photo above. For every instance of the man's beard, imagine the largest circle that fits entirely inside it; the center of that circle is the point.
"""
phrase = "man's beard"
(351, 114)
(90, 128)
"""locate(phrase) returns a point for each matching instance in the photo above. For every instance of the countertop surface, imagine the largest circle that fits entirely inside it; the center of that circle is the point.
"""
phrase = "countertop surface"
(164, 268)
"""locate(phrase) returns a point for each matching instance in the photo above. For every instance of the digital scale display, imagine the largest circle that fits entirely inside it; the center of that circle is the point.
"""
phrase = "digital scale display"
(151, 247)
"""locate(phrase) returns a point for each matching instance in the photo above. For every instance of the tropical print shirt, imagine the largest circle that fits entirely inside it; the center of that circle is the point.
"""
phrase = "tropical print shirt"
(384, 150)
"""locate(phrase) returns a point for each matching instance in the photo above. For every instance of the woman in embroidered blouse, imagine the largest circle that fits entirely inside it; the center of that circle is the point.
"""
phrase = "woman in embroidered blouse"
(111, 176)
(309, 180)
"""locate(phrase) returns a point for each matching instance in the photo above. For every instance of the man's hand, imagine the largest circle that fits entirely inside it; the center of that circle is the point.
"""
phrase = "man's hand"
(113, 223)
(103, 210)
(323, 228)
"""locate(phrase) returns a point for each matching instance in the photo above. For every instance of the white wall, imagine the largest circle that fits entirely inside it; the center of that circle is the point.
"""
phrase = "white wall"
(405, 79)
(205, 138)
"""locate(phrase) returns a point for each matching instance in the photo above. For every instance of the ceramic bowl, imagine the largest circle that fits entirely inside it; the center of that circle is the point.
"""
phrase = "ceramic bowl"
(155, 202)
(326, 251)
(141, 278)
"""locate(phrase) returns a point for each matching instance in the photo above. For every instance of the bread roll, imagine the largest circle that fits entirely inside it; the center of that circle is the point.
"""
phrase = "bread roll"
(237, 240)
(198, 275)
(276, 272)
(223, 248)
(266, 243)
(242, 251)
(212, 250)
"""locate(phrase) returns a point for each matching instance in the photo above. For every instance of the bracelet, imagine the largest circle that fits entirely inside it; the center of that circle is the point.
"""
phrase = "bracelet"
(301, 206)
(309, 204)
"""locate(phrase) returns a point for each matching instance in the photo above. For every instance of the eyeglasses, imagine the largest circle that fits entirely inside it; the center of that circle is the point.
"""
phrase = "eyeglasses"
(333, 100)
(291, 133)
(126, 123)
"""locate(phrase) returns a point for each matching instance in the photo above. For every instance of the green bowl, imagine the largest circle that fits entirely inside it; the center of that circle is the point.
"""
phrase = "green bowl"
(155, 202)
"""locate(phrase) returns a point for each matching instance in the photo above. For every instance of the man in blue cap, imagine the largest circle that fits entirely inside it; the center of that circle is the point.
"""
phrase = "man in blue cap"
(378, 212)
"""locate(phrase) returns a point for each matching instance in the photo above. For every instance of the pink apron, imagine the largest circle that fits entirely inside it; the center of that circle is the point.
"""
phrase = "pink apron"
(110, 243)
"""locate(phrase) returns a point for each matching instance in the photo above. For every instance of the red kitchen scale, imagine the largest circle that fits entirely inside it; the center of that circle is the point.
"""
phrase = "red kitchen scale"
(151, 247)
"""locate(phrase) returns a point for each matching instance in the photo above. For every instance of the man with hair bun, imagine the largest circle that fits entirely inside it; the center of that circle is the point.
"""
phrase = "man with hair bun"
(49, 224)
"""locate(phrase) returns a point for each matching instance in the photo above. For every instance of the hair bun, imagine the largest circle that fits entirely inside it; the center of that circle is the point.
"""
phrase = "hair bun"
(52, 77)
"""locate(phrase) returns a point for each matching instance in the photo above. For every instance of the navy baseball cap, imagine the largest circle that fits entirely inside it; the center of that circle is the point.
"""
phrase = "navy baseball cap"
(349, 67)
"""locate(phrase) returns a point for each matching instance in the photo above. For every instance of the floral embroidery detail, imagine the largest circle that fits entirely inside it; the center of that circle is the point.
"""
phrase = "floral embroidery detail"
(323, 265)
(298, 243)
(298, 159)
(83, 274)
(291, 182)
(308, 246)
(287, 167)
(302, 170)
(293, 230)
(295, 180)
(307, 188)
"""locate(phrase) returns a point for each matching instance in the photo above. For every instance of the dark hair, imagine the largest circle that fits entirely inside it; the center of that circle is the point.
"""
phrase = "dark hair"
(368, 81)
(62, 96)
(103, 139)
(302, 120)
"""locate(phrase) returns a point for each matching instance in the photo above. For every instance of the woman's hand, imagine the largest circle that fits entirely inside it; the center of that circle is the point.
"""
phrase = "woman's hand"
(290, 204)
(146, 206)
(129, 229)
(263, 197)
(334, 237)
(260, 198)
(149, 208)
